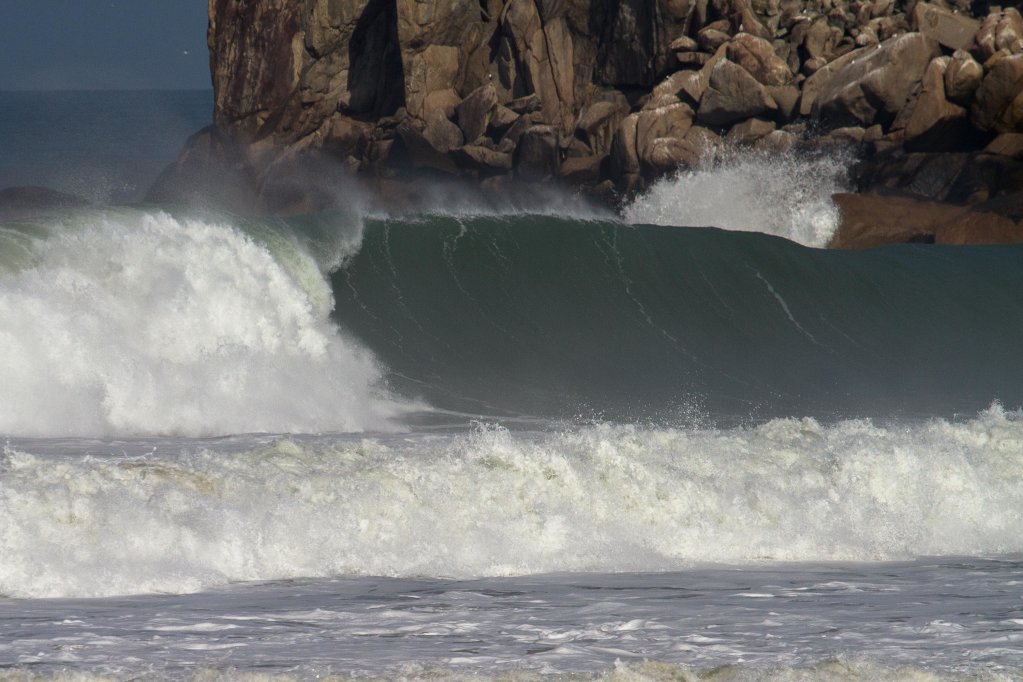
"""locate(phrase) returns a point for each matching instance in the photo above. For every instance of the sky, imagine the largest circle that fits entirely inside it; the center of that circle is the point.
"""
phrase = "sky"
(103, 45)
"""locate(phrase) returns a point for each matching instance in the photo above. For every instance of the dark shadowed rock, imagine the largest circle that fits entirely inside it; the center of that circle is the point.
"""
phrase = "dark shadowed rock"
(481, 159)
(537, 155)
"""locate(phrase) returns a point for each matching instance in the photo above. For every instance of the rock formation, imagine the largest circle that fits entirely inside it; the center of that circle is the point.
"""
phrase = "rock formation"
(606, 96)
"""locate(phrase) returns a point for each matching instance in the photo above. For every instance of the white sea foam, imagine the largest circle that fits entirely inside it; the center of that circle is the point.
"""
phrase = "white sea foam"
(131, 322)
(604, 498)
(787, 195)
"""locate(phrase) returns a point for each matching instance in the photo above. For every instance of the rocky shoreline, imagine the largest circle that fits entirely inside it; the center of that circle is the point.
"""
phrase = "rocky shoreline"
(604, 98)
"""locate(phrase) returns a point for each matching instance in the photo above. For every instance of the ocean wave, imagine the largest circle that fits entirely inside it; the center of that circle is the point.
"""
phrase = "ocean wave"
(93, 519)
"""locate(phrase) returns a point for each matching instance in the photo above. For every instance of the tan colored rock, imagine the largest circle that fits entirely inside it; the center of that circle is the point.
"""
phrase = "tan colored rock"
(599, 121)
(776, 142)
(710, 38)
(954, 31)
(692, 60)
(935, 124)
(732, 95)
(525, 105)
(442, 134)
(749, 131)
(683, 44)
(1000, 31)
(998, 105)
(787, 99)
(444, 101)
(502, 118)
(624, 156)
(870, 220)
(474, 112)
(757, 56)
(433, 69)
(962, 78)
(673, 121)
(543, 53)
(859, 86)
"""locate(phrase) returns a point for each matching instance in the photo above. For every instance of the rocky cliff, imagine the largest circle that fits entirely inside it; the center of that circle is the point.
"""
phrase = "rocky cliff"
(607, 95)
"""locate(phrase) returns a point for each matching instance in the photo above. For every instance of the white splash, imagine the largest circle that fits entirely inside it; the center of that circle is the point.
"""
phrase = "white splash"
(181, 516)
(786, 195)
(131, 322)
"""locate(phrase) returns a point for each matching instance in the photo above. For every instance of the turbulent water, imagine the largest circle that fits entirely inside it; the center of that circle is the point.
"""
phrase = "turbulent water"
(510, 442)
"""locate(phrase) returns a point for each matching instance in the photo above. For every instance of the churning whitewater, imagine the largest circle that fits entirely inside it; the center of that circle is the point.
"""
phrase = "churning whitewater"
(486, 440)
(128, 322)
(97, 519)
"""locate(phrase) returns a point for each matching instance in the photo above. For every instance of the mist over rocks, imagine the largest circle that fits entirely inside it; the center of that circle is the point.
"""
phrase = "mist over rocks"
(604, 98)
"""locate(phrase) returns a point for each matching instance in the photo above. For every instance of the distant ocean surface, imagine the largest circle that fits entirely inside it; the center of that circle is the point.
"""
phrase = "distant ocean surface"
(106, 146)
(494, 440)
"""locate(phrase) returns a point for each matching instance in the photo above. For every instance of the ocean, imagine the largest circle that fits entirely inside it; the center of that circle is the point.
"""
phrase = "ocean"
(483, 441)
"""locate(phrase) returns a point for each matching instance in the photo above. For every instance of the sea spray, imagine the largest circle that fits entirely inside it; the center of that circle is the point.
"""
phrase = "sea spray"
(787, 195)
(181, 516)
(135, 322)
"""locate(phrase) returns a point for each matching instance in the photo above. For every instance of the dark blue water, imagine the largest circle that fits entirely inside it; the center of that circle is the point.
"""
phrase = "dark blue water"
(104, 146)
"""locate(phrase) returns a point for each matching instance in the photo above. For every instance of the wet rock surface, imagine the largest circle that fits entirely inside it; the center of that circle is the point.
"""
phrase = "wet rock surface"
(605, 98)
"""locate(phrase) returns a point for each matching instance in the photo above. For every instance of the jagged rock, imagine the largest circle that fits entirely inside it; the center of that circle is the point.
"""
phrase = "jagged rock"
(599, 121)
(934, 123)
(999, 100)
(624, 156)
(1000, 31)
(732, 94)
(432, 71)
(537, 154)
(501, 119)
(543, 51)
(475, 111)
(962, 78)
(749, 131)
(869, 83)
(757, 56)
(954, 31)
(442, 134)
(422, 153)
(481, 159)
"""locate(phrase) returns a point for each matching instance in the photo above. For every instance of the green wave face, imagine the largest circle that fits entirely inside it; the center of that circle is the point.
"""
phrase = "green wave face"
(548, 317)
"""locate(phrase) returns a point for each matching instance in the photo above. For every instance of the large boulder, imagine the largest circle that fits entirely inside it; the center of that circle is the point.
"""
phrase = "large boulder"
(732, 95)
(933, 123)
(954, 31)
(998, 105)
(757, 56)
(871, 84)
(1000, 31)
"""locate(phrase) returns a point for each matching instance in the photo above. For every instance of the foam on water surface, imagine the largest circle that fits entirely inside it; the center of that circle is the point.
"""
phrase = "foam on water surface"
(94, 518)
